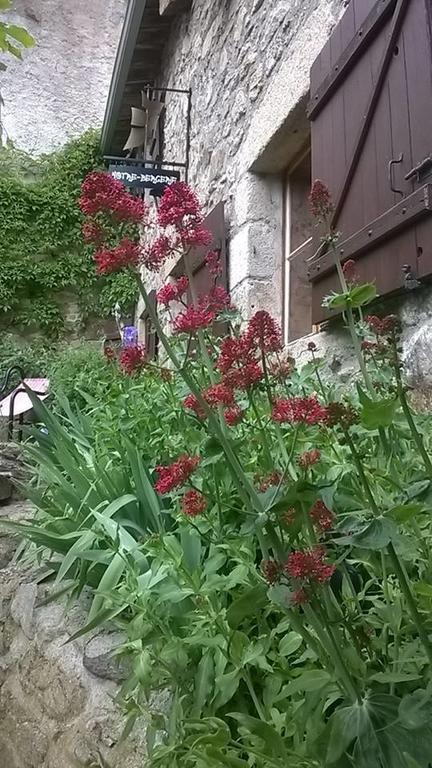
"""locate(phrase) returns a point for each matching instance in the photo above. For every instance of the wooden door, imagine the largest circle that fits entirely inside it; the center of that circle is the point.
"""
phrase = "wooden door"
(371, 127)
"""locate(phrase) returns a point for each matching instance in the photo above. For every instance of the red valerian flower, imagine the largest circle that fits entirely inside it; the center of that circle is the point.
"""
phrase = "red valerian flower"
(178, 202)
(306, 410)
(233, 415)
(288, 516)
(133, 358)
(320, 200)
(263, 333)
(219, 394)
(193, 404)
(271, 571)
(173, 291)
(245, 376)
(309, 458)
(312, 347)
(232, 350)
(322, 516)
(349, 268)
(383, 326)
(176, 474)
(369, 346)
(269, 481)
(101, 193)
(309, 565)
(193, 503)
(155, 254)
(213, 263)
(193, 235)
(218, 300)
(125, 254)
(341, 414)
(299, 597)
(193, 319)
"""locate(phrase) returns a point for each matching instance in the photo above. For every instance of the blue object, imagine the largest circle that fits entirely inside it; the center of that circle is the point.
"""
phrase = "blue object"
(130, 336)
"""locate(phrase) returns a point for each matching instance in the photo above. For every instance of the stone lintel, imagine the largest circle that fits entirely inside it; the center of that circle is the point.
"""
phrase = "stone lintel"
(172, 7)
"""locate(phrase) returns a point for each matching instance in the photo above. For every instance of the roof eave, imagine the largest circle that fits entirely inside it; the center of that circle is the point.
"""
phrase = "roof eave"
(125, 50)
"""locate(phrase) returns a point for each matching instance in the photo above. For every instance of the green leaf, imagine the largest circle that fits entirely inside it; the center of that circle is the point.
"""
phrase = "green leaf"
(290, 643)
(203, 682)
(424, 589)
(416, 489)
(271, 738)
(20, 34)
(394, 677)
(404, 512)
(362, 294)
(415, 709)
(376, 535)
(5, 4)
(308, 681)
(248, 604)
(377, 413)
(191, 544)
(108, 582)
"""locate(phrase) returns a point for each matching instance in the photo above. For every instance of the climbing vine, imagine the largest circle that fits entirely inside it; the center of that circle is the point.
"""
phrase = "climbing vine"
(44, 262)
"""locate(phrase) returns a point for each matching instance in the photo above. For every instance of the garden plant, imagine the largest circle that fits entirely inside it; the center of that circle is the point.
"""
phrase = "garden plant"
(261, 534)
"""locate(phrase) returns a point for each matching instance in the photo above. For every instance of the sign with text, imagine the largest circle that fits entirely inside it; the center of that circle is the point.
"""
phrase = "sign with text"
(144, 176)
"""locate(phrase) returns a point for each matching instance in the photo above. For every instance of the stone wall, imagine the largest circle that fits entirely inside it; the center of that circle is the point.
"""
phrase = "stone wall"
(248, 67)
(57, 698)
(61, 86)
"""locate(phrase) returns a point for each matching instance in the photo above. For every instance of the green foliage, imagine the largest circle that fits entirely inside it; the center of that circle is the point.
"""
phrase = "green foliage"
(42, 253)
(11, 35)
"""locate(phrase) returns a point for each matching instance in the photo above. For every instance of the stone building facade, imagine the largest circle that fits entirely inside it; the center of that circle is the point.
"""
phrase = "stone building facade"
(248, 66)
(59, 88)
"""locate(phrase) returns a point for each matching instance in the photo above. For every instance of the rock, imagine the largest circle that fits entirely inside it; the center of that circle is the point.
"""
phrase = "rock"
(99, 658)
(22, 607)
(418, 358)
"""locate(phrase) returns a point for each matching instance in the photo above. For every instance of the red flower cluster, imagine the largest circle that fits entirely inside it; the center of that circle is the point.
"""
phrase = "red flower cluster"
(288, 516)
(193, 404)
(369, 346)
(156, 253)
(193, 503)
(320, 200)
(312, 347)
(309, 458)
(271, 571)
(178, 202)
(263, 333)
(309, 565)
(218, 394)
(101, 193)
(322, 516)
(218, 300)
(237, 364)
(299, 597)
(213, 263)
(383, 326)
(349, 268)
(193, 235)
(176, 474)
(193, 319)
(133, 358)
(269, 481)
(344, 415)
(173, 291)
(125, 254)
(233, 415)
(306, 410)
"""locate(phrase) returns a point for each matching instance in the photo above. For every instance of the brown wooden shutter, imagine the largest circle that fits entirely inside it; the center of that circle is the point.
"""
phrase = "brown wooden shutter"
(203, 281)
(371, 105)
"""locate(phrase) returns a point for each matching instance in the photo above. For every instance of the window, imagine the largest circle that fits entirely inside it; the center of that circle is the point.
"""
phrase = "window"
(297, 249)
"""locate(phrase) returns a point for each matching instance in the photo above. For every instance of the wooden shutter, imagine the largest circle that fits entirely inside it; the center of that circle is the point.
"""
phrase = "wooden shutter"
(203, 281)
(150, 336)
(371, 105)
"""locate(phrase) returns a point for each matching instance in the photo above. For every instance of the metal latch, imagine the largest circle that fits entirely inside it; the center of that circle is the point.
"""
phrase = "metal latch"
(421, 169)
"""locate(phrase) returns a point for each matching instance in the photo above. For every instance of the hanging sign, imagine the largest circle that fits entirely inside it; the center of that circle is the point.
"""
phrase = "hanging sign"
(144, 176)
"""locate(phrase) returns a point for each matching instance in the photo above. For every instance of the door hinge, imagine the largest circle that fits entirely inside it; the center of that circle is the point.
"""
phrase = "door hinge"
(421, 170)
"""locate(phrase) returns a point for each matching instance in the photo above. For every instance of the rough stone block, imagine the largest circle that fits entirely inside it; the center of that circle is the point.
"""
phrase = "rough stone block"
(99, 658)
(22, 607)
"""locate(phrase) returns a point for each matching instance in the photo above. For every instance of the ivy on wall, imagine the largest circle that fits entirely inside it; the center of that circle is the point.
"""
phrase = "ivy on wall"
(43, 260)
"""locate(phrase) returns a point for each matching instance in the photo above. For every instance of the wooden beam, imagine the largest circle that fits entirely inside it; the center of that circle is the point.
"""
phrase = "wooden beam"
(349, 57)
(411, 209)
